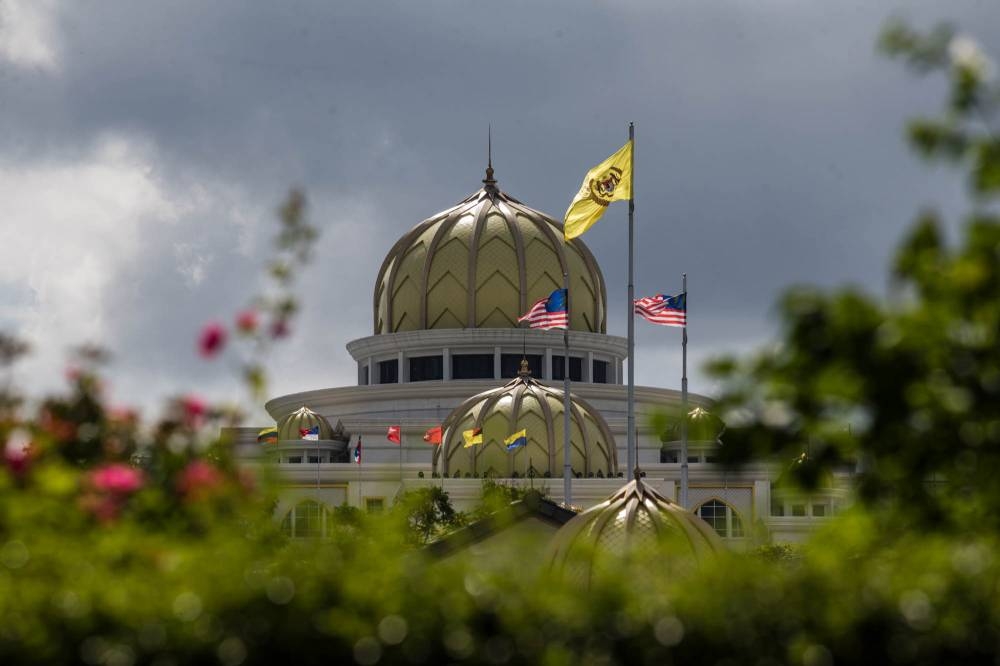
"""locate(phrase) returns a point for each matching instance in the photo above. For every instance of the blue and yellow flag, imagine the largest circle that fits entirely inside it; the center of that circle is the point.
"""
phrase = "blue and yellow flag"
(519, 438)
(267, 436)
(472, 437)
(611, 180)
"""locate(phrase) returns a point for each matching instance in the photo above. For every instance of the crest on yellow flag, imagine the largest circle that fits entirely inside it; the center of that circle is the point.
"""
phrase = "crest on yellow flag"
(611, 180)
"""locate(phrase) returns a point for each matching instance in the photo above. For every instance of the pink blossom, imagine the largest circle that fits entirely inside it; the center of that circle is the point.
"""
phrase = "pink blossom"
(199, 478)
(117, 479)
(194, 411)
(246, 321)
(211, 340)
(17, 452)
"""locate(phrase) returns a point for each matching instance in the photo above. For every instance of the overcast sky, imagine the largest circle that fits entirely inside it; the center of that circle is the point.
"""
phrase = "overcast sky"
(145, 145)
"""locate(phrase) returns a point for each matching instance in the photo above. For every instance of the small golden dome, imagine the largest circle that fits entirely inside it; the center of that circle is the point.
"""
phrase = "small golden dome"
(635, 520)
(303, 419)
(525, 404)
(481, 264)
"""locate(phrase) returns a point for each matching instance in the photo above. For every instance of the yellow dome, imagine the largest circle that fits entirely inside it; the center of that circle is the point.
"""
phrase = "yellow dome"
(525, 404)
(481, 264)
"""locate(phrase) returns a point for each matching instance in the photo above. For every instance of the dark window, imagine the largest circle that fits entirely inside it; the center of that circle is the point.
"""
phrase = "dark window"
(472, 366)
(510, 365)
(668, 456)
(575, 368)
(798, 509)
(600, 372)
(425, 368)
(819, 509)
(388, 371)
(374, 504)
(712, 459)
(315, 459)
(294, 459)
(777, 508)
(364, 376)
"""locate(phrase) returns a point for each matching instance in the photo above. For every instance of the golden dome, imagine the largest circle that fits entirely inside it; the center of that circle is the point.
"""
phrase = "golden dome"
(481, 264)
(291, 427)
(634, 521)
(525, 404)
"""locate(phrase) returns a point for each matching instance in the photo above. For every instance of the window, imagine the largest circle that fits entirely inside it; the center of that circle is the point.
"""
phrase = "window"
(798, 509)
(306, 519)
(472, 366)
(722, 518)
(510, 365)
(712, 459)
(777, 508)
(600, 371)
(364, 376)
(426, 368)
(819, 510)
(668, 456)
(315, 459)
(388, 371)
(575, 368)
(294, 459)
(374, 504)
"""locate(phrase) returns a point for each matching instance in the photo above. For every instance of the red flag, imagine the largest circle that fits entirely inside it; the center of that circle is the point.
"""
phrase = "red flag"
(393, 434)
(433, 436)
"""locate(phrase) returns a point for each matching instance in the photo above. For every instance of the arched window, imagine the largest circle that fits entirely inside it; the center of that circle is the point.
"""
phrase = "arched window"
(722, 518)
(308, 518)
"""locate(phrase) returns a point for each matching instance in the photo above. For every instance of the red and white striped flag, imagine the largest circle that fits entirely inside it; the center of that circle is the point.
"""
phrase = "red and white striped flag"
(663, 310)
(548, 312)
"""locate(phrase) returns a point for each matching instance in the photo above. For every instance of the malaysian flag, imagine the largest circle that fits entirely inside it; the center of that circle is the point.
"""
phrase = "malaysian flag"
(549, 312)
(663, 310)
(309, 433)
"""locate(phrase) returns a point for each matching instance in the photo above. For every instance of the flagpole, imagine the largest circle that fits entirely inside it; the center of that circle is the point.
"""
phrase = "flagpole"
(632, 452)
(567, 466)
(684, 398)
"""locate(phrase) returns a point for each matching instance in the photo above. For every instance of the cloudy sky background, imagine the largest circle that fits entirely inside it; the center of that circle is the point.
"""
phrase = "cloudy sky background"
(145, 145)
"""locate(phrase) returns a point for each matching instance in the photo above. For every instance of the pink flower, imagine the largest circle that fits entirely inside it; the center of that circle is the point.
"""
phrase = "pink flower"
(117, 479)
(246, 321)
(211, 340)
(194, 409)
(198, 479)
(17, 452)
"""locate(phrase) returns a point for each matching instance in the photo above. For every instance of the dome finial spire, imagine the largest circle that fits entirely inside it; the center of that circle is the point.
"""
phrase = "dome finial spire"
(489, 156)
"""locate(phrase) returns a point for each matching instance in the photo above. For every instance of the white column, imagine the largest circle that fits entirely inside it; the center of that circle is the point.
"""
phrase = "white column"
(548, 363)
(588, 368)
(371, 371)
(446, 364)
(496, 363)
(404, 372)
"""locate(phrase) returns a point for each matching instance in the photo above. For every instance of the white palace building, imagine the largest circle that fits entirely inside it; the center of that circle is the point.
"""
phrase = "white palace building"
(446, 350)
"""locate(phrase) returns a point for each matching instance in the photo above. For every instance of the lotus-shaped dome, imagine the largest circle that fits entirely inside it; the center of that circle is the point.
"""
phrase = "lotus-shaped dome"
(635, 520)
(525, 404)
(481, 264)
(302, 421)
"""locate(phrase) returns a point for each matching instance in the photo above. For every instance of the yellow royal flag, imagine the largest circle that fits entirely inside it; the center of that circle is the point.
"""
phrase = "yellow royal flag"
(472, 437)
(611, 180)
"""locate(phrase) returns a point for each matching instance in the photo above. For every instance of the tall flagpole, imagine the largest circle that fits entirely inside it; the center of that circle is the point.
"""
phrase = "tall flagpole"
(684, 399)
(567, 466)
(632, 452)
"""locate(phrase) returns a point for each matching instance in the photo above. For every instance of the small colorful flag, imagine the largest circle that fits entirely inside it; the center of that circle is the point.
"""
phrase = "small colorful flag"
(611, 180)
(393, 435)
(309, 433)
(357, 451)
(519, 438)
(472, 437)
(433, 435)
(267, 436)
(663, 310)
(549, 312)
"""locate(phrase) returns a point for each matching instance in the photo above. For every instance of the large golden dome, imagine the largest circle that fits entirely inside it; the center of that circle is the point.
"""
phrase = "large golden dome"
(481, 264)
(525, 404)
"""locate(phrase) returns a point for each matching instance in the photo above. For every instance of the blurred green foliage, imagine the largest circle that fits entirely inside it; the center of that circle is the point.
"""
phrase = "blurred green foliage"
(123, 543)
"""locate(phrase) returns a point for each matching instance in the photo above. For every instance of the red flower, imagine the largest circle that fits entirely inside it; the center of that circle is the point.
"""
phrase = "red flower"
(198, 479)
(117, 479)
(212, 339)
(246, 321)
(17, 452)
(194, 409)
